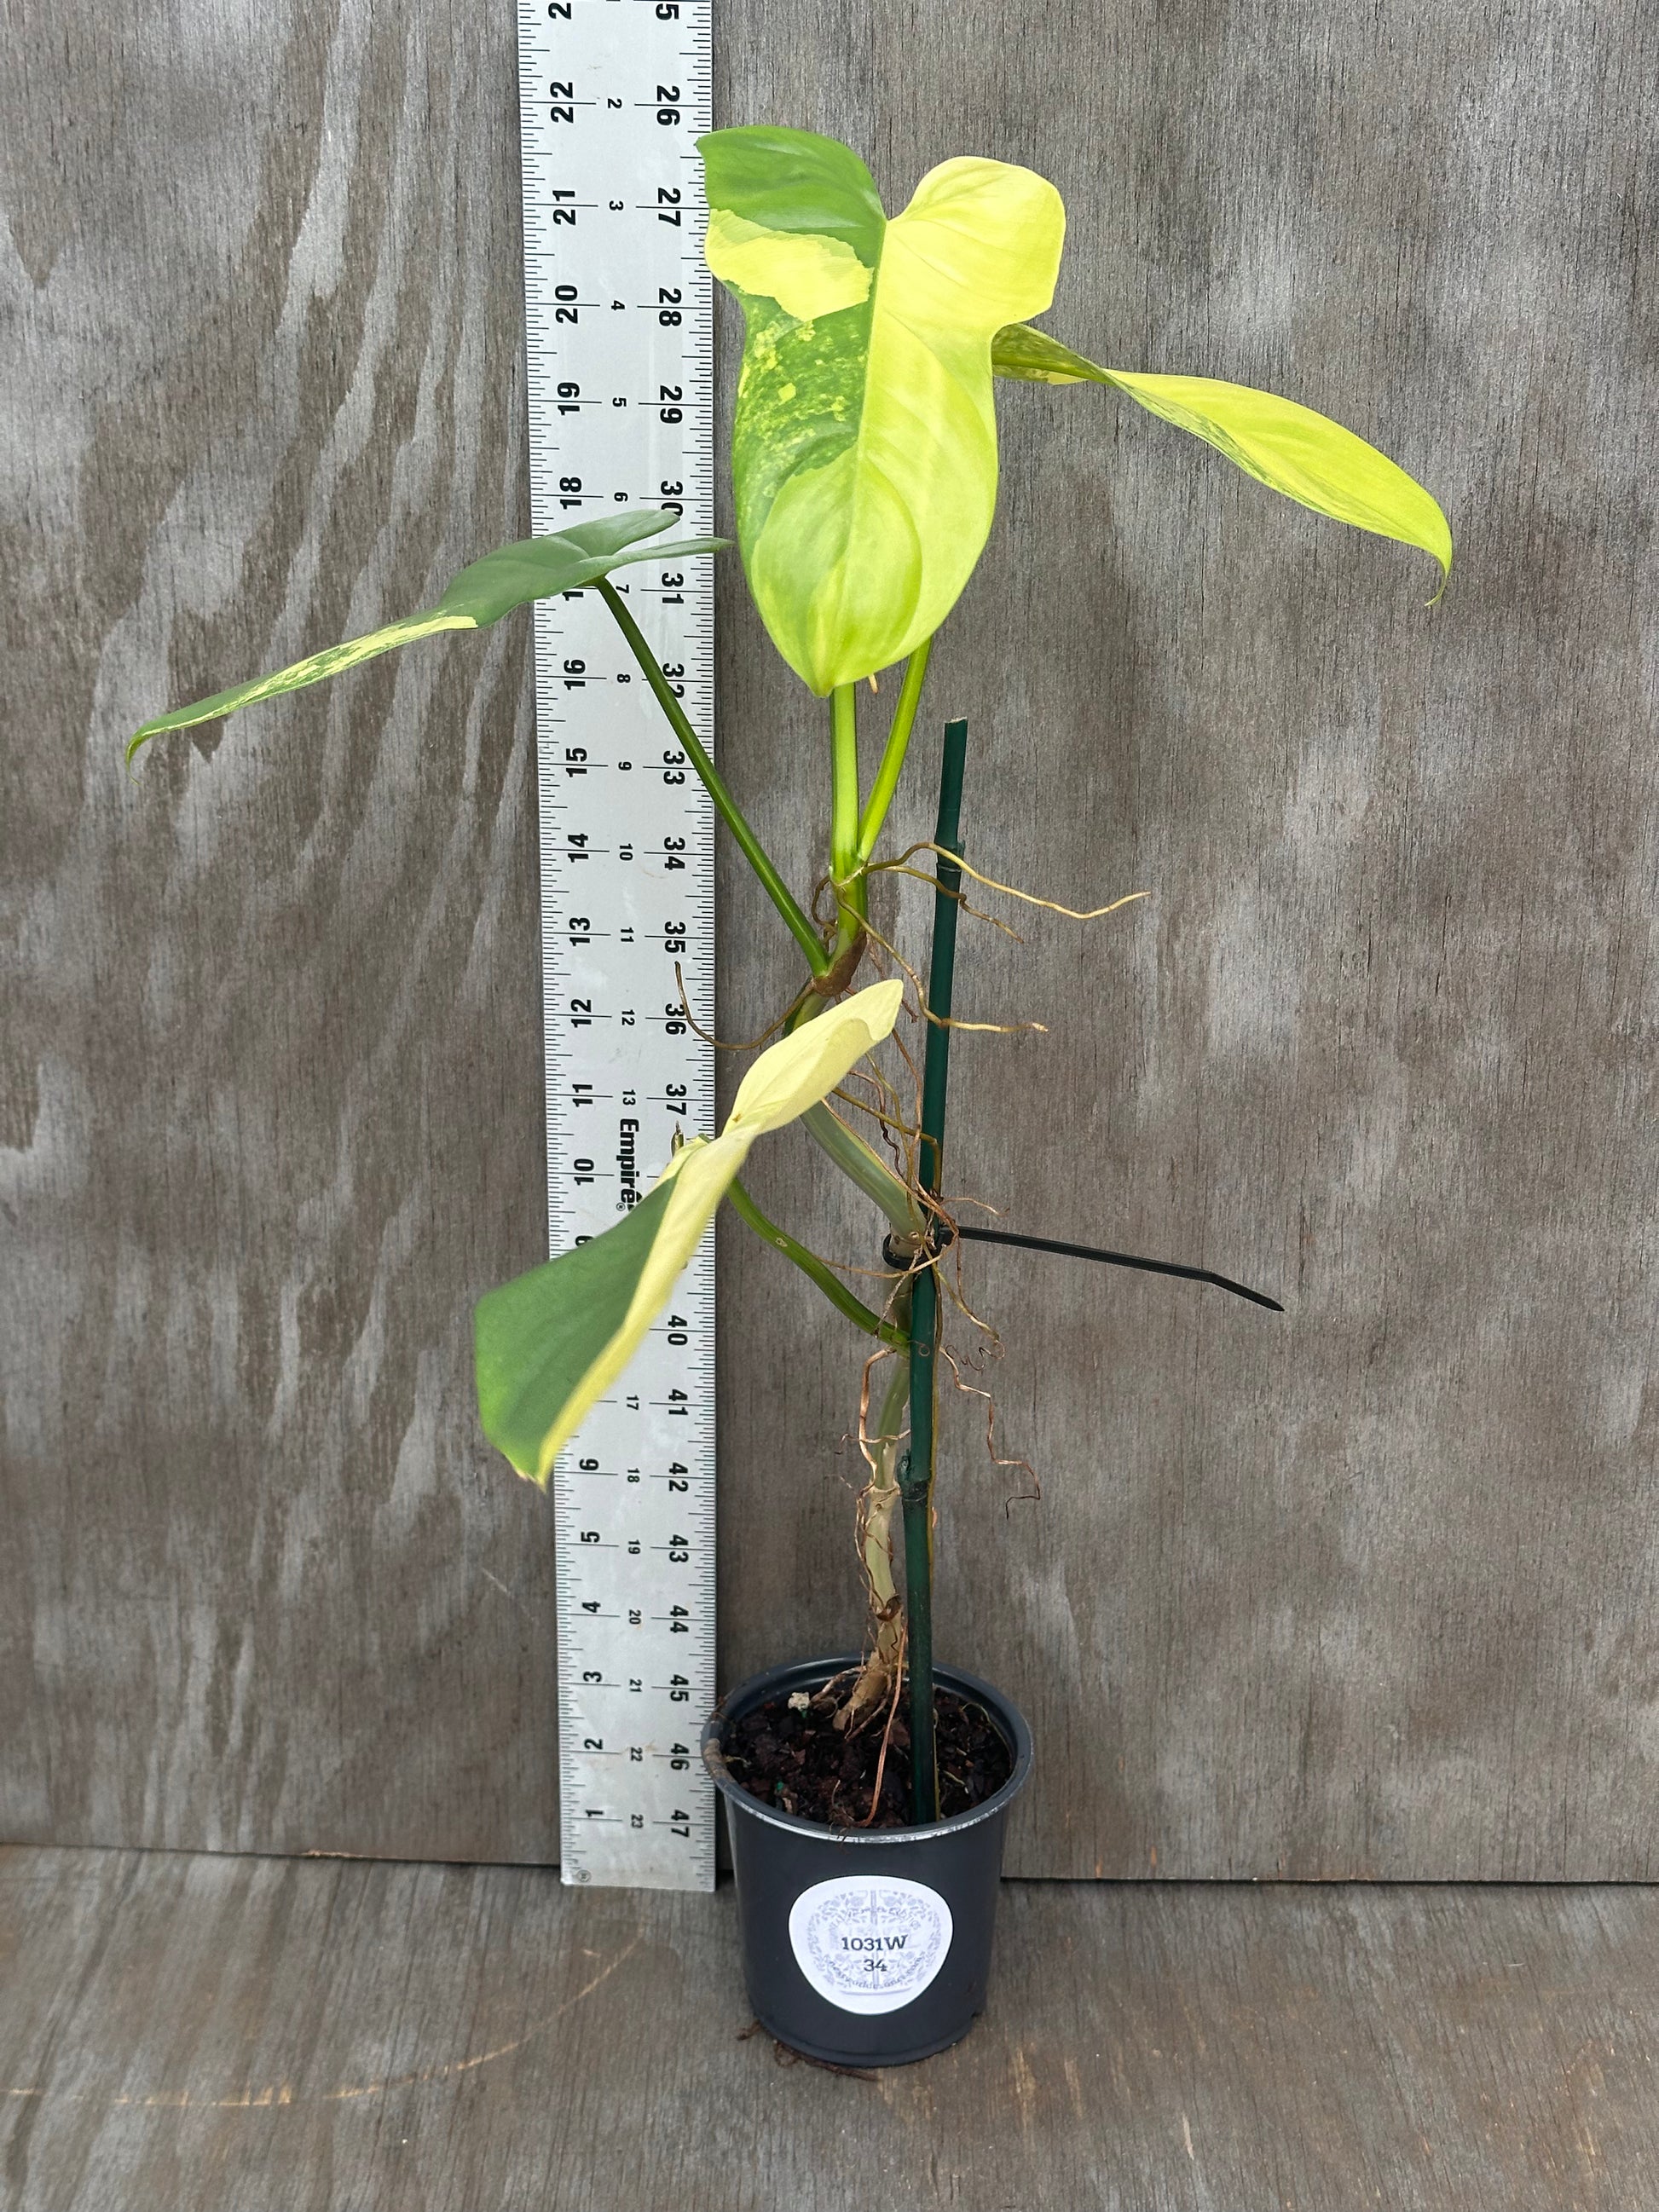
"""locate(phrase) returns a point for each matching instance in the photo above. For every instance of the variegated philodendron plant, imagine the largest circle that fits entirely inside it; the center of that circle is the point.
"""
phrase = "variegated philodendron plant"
(863, 459)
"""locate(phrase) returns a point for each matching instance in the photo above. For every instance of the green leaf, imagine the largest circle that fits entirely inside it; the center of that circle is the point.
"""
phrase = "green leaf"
(535, 1338)
(795, 181)
(1288, 447)
(550, 1345)
(537, 568)
(534, 568)
(864, 453)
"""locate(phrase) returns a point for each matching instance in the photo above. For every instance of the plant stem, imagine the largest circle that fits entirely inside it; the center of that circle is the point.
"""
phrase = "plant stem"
(879, 1679)
(855, 1159)
(892, 1405)
(847, 875)
(915, 1495)
(893, 753)
(861, 1164)
(916, 1475)
(844, 773)
(817, 1271)
(776, 890)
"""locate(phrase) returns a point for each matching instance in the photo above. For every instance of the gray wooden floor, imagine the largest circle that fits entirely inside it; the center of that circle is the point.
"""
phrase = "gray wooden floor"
(253, 2035)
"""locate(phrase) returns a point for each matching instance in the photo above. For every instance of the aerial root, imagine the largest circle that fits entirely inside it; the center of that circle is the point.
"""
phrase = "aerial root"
(1034, 1495)
(945, 1021)
(697, 1029)
(957, 898)
(1008, 890)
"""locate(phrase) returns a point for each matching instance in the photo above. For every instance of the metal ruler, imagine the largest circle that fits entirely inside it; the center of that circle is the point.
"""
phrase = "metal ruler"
(613, 94)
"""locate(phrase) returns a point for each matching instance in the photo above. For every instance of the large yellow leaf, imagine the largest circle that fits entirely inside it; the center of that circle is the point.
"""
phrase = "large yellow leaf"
(865, 451)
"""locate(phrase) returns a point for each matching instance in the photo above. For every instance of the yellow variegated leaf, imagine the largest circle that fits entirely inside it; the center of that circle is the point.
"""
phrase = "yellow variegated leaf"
(1282, 444)
(806, 276)
(864, 454)
(807, 1066)
(550, 1345)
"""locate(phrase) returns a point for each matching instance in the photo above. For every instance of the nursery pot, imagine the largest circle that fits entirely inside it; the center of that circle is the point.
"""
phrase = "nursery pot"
(866, 1946)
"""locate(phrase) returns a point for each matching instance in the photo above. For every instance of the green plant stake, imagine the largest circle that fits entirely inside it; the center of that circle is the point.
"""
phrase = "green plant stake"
(916, 1475)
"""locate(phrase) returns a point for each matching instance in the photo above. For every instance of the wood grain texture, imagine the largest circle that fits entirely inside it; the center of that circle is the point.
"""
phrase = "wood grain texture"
(1368, 1590)
(273, 1061)
(330, 2037)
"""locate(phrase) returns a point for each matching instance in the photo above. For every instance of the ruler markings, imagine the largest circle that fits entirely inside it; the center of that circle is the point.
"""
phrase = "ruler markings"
(613, 96)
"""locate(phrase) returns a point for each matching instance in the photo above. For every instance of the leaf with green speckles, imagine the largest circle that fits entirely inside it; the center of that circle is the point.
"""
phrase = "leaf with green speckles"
(865, 452)
(1290, 448)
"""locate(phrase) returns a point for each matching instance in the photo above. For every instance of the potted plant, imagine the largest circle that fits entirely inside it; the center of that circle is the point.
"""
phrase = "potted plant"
(865, 1794)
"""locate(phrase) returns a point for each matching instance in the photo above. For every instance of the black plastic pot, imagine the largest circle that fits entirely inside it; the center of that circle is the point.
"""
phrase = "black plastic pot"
(865, 1948)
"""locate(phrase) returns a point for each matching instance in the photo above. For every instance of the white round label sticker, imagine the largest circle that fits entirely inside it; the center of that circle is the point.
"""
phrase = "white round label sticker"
(870, 1943)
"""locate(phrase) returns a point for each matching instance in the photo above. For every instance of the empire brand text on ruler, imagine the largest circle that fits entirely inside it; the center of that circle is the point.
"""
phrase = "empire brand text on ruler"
(613, 95)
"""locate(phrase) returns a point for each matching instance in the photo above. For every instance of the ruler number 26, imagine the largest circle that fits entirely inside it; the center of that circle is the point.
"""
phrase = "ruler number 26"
(558, 11)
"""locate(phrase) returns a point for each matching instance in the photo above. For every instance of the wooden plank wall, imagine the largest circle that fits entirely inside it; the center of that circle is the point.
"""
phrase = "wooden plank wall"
(1366, 1590)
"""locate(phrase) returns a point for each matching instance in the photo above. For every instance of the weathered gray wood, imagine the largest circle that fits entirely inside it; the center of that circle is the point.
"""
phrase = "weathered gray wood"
(1366, 1590)
(282, 2036)
(1369, 1589)
(272, 1048)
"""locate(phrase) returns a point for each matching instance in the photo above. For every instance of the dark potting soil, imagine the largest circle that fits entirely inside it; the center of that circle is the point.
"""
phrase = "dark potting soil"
(802, 1764)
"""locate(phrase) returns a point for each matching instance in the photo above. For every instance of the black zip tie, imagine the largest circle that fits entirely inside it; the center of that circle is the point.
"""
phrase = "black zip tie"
(902, 1251)
(1118, 1260)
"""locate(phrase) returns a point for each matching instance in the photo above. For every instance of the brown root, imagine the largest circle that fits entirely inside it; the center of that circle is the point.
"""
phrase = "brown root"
(719, 1043)
(1034, 1495)
(886, 1739)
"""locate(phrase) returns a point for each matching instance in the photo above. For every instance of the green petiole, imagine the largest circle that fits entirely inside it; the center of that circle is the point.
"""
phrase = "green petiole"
(859, 1163)
(893, 753)
(776, 890)
(846, 870)
(817, 1271)
(862, 1165)
(844, 769)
